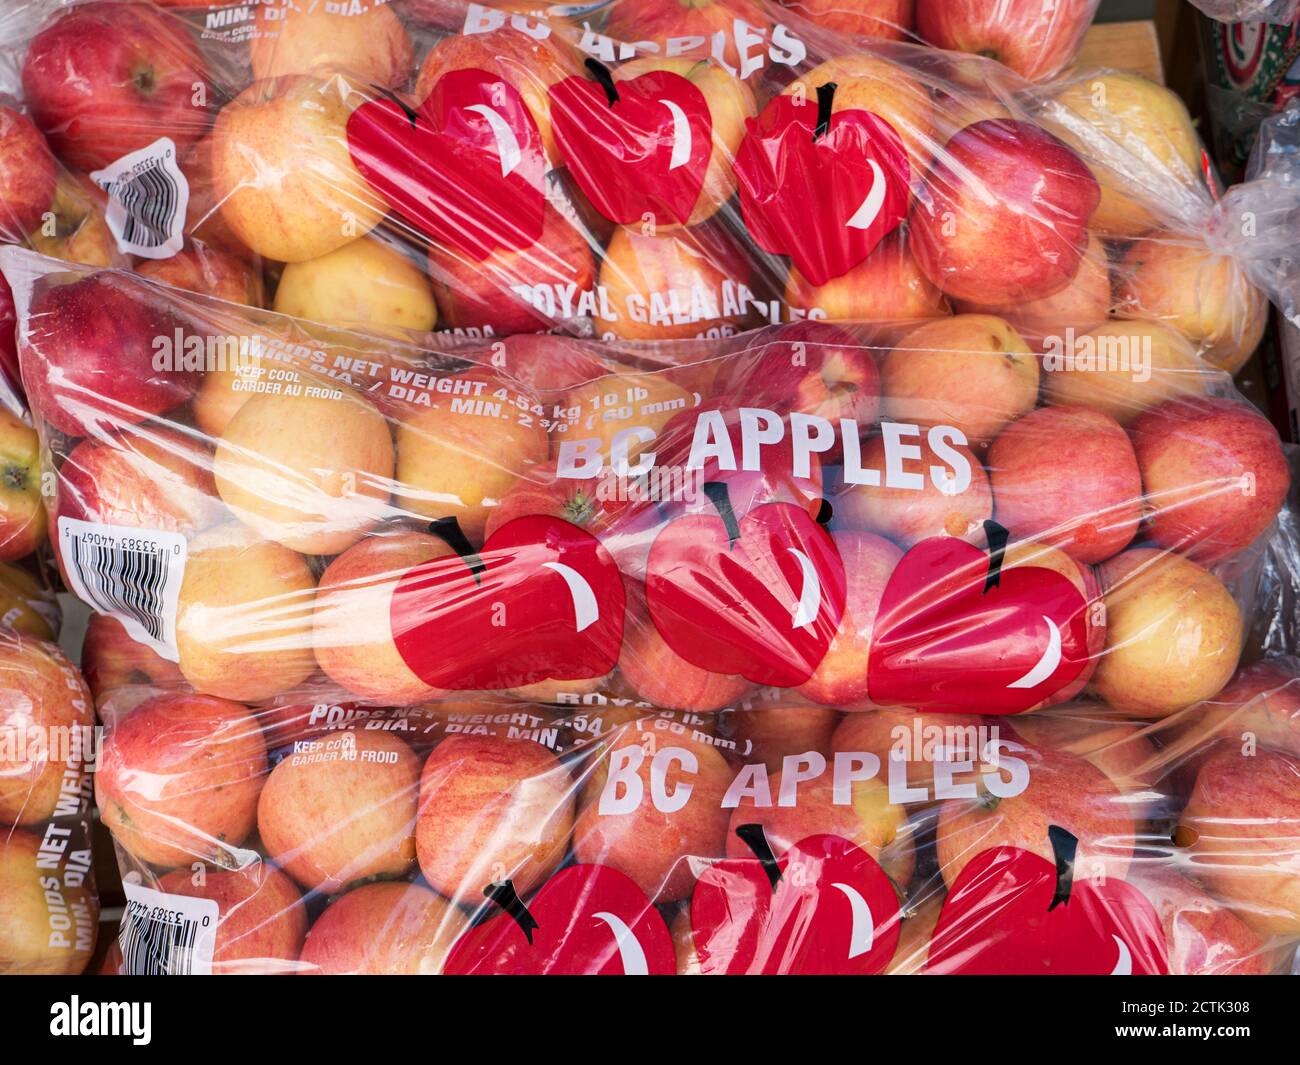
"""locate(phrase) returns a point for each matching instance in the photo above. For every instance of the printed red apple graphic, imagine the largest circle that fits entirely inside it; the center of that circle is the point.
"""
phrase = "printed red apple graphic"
(466, 168)
(637, 147)
(957, 633)
(823, 908)
(1012, 912)
(587, 920)
(543, 600)
(823, 188)
(761, 596)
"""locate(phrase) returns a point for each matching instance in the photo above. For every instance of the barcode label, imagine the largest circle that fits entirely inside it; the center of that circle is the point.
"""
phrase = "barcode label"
(147, 199)
(166, 935)
(133, 574)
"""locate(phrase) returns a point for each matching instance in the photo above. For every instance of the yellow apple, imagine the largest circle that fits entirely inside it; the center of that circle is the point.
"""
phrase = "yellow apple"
(365, 283)
(310, 466)
(282, 171)
(243, 621)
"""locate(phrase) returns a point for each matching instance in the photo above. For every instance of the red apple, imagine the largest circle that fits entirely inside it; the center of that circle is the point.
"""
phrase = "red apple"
(45, 745)
(907, 515)
(352, 622)
(542, 362)
(111, 661)
(89, 355)
(768, 733)
(153, 478)
(661, 677)
(705, 21)
(577, 500)
(653, 803)
(913, 737)
(27, 176)
(1082, 305)
(23, 523)
(1062, 790)
(179, 777)
(1241, 828)
(1214, 472)
(105, 79)
(1035, 39)
(841, 678)
(12, 376)
(1261, 704)
(526, 291)
(1205, 938)
(812, 367)
(890, 20)
(210, 272)
(261, 920)
(341, 808)
(385, 929)
(886, 286)
(492, 809)
(1067, 476)
(1003, 214)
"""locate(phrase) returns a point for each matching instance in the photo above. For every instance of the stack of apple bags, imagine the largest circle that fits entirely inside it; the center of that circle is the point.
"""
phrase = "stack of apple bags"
(602, 630)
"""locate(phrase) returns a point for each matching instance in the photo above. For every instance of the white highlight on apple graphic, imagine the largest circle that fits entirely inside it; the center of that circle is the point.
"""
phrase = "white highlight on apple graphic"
(630, 951)
(1124, 966)
(1046, 665)
(810, 594)
(586, 611)
(870, 208)
(682, 140)
(507, 142)
(863, 934)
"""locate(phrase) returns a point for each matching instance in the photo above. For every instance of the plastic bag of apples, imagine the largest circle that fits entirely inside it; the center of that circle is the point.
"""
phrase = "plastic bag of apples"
(628, 170)
(424, 653)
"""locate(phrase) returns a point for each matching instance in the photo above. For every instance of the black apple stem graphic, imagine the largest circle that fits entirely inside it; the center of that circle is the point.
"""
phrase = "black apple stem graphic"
(998, 537)
(825, 512)
(721, 500)
(1064, 847)
(825, 100)
(411, 114)
(601, 73)
(505, 896)
(448, 530)
(755, 839)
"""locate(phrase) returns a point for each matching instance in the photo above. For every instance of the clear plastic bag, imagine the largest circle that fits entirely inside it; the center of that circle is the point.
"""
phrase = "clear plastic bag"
(627, 171)
(550, 620)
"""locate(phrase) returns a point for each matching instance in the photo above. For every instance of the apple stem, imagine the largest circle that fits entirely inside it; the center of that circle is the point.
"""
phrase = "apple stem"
(505, 896)
(410, 112)
(755, 839)
(1064, 847)
(721, 500)
(448, 530)
(606, 79)
(825, 100)
(998, 537)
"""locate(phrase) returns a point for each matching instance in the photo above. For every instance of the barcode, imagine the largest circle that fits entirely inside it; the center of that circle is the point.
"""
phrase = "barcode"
(147, 199)
(124, 582)
(166, 935)
(152, 947)
(132, 574)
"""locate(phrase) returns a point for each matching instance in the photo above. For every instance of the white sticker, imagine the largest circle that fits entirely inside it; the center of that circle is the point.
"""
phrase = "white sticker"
(133, 574)
(147, 200)
(166, 935)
